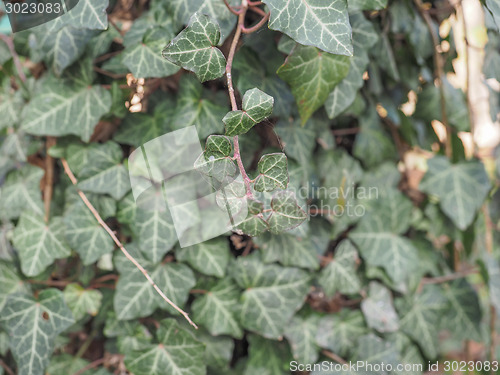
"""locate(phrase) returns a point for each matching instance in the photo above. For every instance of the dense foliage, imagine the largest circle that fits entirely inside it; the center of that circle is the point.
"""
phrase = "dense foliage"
(370, 234)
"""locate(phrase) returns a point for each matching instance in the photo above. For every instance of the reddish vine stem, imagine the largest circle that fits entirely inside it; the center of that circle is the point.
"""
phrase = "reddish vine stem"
(92, 365)
(451, 277)
(49, 178)
(7, 369)
(232, 97)
(334, 356)
(256, 26)
(231, 9)
(258, 11)
(10, 44)
(112, 234)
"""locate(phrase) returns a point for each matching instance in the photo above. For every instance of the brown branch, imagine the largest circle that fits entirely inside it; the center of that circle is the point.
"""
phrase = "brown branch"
(232, 97)
(439, 74)
(257, 26)
(56, 283)
(258, 11)
(109, 74)
(254, 3)
(107, 56)
(92, 365)
(334, 356)
(10, 44)
(348, 131)
(451, 277)
(122, 33)
(112, 234)
(7, 369)
(49, 177)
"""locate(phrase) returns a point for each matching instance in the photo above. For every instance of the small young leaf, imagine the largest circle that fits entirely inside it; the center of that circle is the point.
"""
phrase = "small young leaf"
(257, 105)
(273, 171)
(286, 213)
(218, 144)
(195, 48)
(38, 243)
(312, 75)
(82, 302)
(37, 322)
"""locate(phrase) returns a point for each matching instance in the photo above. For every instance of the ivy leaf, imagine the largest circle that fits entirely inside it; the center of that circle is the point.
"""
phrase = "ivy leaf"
(66, 108)
(217, 309)
(272, 294)
(312, 75)
(64, 364)
(286, 213)
(85, 234)
(301, 333)
(257, 105)
(177, 352)
(195, 48)
(82, 302)
(20, 192)
(464, 311)
(420, 315)
(461, 188)
(364, 37)
(209, 257)
(266, 357)
(288, 250)
(86, 14)
(38, 243)
(378, 240)
(196, 106)
(374, 350)
(494, 9)
(145, 60)
(33, 326)
(273, 172)
(378, 309)
(218, 144)
(340, 274)
(11, 283)
(135, 297)
(297, 141)
(325, 26)
(10, 107)
(218, 350)
(340, 332)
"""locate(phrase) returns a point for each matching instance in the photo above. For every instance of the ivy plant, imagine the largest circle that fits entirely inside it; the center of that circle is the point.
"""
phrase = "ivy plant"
(366, 222)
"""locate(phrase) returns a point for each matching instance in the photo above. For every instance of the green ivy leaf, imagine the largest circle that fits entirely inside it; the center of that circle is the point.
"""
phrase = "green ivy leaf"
(378, 238)
(267, 357)
(340, 274)
(135, 296)
(10, 108)
(177, 352)
(86, 14)
(66, 108)
(145, 60)
(286, 213)
(64, 364)
(218, 350)
(297, 141)
(288, 250)
(217, 309)
(340, 332)
(82, 302)
(11, 283)
(325, 26)
(273, 172)
(461, 188)
(38, 243)
(209, 257)
(375, 350)
(197, 106)
(85, 234)
(312, 75)
(420, 315)
(464, 311)
(195, 48)
(378, 309)
(301, 333)
(20, 192)
(33, 326)
(272, 294)
(257, 105)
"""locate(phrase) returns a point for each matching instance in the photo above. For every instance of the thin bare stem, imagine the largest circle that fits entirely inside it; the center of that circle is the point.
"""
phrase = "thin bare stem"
(113, 23)
(257, 26)
(49, 177)
(258, 11)
(91, 365)
(348, 131)
(254, 3)
(334, 356)
(439, 74)
(451, 277)
(10, 44)
(232, 97)
(112, 234)
(7, 369)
